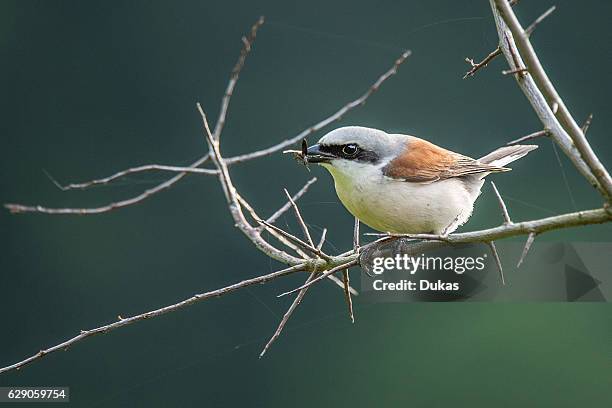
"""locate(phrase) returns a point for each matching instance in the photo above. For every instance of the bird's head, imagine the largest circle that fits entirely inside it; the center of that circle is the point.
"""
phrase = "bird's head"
(353, 149)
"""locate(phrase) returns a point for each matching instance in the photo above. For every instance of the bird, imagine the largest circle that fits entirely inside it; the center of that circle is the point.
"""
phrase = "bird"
(402, 184)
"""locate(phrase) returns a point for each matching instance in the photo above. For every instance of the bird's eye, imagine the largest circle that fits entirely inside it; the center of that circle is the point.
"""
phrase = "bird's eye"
(350, 150)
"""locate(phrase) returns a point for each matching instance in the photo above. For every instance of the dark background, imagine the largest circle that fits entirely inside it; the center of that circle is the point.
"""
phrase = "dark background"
(90, 88)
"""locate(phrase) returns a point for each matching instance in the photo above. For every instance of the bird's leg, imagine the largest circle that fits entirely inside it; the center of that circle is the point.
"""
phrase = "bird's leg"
(356, 237)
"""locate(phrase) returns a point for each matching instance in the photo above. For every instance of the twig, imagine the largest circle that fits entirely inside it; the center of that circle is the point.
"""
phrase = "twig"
(347, 294)
(528, 243)
(475, 66)
(497, 261)
(18, 208)
(515, 71)
(287, 205)
(247, 43)
(139, 169)
(300, 219)
(153, 313)
(356, 236)
(296, 302)
(322, 240)
(538, 20)
(530, 136)
(587, 124)
(502, 204)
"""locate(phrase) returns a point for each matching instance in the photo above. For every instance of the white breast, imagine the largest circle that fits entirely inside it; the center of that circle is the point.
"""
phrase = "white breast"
(390, 205)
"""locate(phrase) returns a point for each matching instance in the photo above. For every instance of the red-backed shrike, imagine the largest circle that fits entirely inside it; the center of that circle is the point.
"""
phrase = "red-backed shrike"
(402, 184)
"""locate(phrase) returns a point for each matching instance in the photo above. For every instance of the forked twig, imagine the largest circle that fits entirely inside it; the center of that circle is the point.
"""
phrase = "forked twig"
(475, 66)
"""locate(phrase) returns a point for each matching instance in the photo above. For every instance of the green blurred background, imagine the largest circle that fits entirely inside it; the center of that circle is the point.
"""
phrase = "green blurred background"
(89, 88)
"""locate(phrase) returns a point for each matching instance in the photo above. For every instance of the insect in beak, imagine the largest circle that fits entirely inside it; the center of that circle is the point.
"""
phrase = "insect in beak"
(300, 155)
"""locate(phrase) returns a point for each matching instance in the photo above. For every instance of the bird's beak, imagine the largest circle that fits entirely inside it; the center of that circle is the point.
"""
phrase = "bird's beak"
(315, 155)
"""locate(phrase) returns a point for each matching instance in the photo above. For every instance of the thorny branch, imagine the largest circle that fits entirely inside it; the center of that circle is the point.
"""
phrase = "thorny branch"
(310, 258)
(546, 101)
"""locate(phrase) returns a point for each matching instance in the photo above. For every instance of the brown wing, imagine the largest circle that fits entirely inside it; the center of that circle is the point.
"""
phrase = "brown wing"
(423, 161)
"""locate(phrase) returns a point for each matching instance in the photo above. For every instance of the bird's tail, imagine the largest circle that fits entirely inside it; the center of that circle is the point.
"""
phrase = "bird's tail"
(506, 154)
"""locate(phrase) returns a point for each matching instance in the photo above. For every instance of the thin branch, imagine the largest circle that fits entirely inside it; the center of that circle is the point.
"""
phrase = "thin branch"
(300, 219)
(538, 20)
(528, 243)
(497, 261)
(131, 170)
(530, 136)
(475, 66)
(340, 284)
(153, 313)
(515, 71)
(296, 302)
(347, 294)
(322, 240)
(356, 236)
(18, 208)
(540, 89)
(502, 205)
(247, 43)
(287, 205)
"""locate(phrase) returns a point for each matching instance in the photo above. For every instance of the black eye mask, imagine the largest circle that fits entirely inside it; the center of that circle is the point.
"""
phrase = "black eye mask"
(351, 151)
